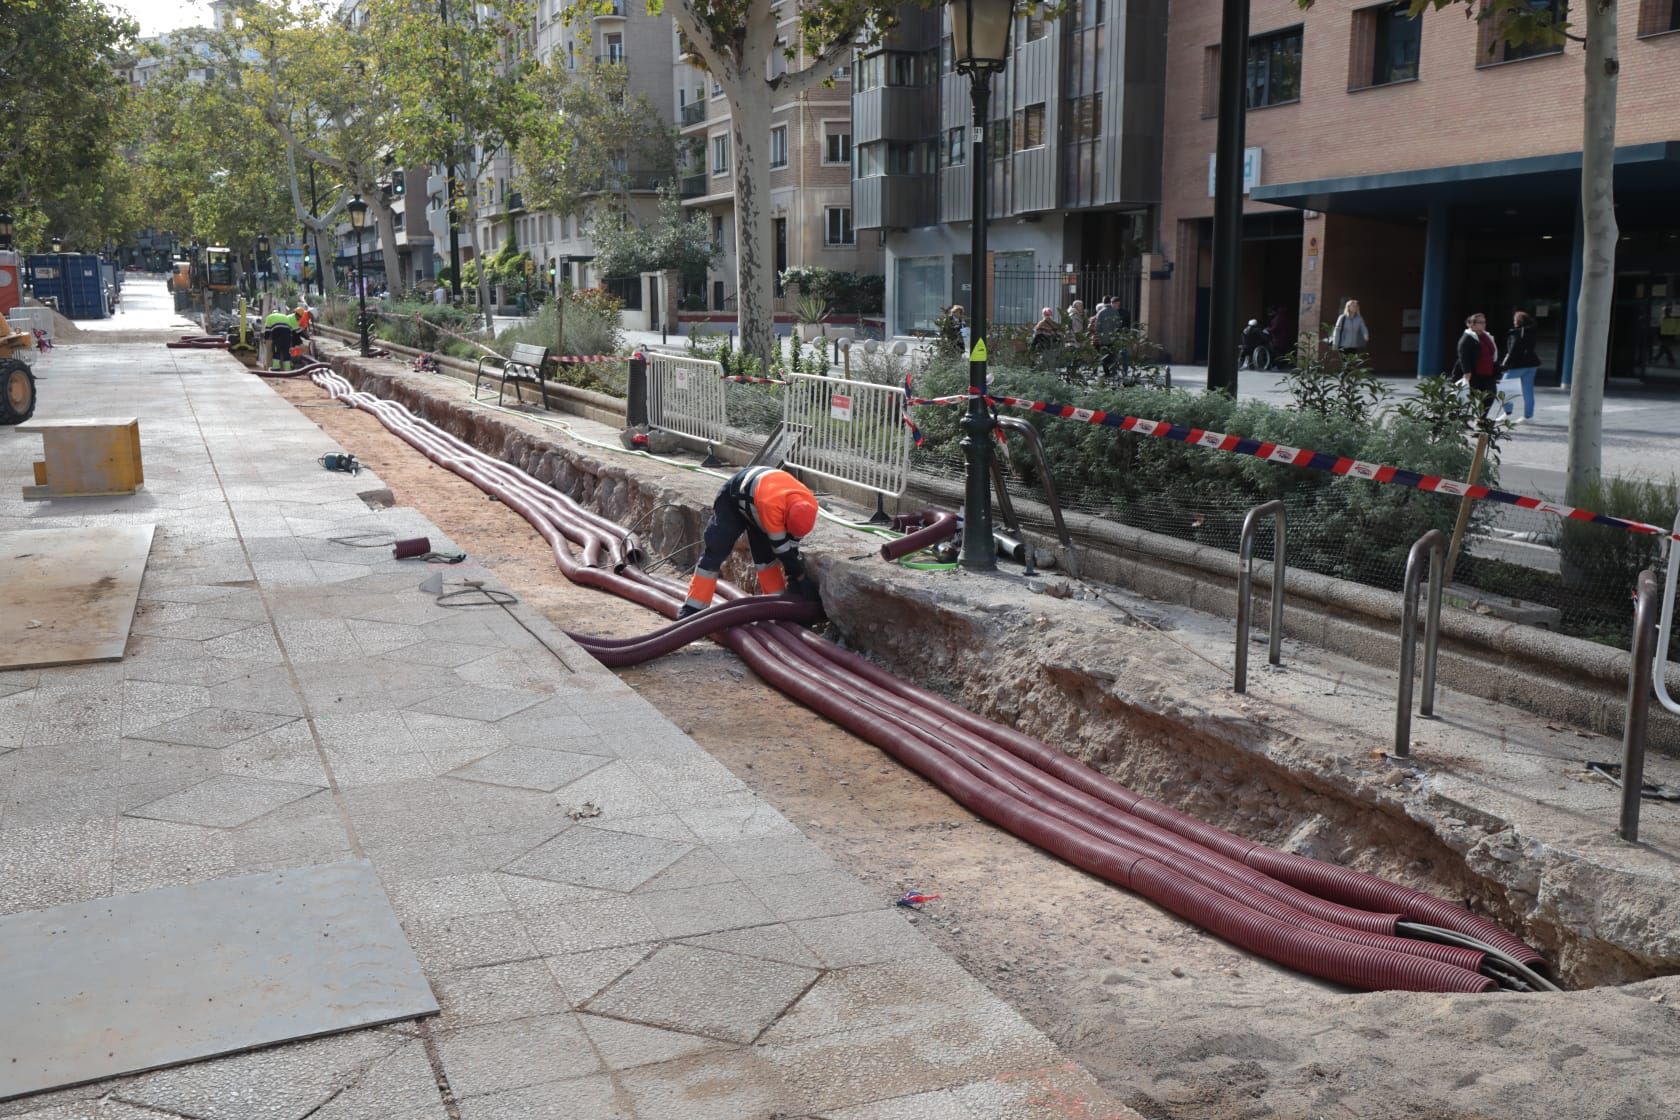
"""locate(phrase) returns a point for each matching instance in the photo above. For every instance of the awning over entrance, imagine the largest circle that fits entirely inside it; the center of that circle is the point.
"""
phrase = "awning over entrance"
(1641, 169)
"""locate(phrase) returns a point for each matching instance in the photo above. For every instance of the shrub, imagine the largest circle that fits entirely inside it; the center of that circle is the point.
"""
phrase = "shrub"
(846, 293)
(1346, 527)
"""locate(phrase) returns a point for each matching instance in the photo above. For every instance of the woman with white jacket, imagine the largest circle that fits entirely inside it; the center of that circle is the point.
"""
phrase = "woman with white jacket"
(1350, 334)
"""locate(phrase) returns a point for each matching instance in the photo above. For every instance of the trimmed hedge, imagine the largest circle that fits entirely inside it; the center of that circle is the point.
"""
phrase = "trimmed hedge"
(1340, 526)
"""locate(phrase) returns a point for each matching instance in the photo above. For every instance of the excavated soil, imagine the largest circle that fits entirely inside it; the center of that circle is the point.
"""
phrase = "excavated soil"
(1178, 1024)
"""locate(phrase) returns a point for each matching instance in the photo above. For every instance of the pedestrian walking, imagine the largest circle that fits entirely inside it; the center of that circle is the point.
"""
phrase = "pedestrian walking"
(1077, 319)
(953, 329)
(1047, 332)
(774, 510)
(1106, 328)
(1478, 360)
(1522, 362)
(1350, 335)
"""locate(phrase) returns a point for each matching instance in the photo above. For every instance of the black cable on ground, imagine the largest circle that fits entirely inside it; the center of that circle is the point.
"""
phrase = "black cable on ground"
(1503, 960)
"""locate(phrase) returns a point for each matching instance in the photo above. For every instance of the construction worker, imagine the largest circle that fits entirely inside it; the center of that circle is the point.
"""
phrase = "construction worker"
(775, 510)
(304, 317)
(281, 327)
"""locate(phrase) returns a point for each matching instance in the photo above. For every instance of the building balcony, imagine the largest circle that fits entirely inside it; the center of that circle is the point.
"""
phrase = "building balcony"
(614, 13)
(693, 113)
(693, 186)
(611, 58)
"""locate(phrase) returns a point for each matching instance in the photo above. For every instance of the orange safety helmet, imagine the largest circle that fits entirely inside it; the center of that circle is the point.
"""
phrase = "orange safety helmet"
(801, 516)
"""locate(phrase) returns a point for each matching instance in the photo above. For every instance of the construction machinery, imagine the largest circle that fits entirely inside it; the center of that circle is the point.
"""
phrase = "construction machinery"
(17, 380)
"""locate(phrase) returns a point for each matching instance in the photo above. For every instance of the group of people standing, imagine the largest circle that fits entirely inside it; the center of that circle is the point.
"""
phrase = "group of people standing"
(1480, 363)
(1481, 366)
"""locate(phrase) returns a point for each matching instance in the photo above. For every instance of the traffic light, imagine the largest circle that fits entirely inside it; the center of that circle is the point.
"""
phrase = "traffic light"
(397, 184)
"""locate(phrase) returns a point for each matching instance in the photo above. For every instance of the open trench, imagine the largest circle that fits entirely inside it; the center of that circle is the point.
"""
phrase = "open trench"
(1181, 1022)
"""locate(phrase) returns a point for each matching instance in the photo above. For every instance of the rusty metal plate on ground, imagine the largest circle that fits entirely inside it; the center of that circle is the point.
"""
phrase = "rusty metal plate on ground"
(68, 595)
(120, 985)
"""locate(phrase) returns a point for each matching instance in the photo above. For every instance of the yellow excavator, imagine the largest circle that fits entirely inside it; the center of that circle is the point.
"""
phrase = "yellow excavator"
(17, 381)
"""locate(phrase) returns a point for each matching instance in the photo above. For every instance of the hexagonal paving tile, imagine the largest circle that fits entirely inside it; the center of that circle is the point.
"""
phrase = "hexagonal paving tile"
(475, 702)
(212, 727)
(226, 801)
(594, 857)
(530, 768)
(703, 991)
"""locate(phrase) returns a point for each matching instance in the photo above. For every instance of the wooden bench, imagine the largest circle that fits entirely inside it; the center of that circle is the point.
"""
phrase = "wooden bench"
(525, 364)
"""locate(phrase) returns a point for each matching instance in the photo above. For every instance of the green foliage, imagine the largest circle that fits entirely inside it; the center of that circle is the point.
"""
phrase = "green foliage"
(64, 118)
(1601, 556)
(1449, 414)
(592, 327)
(593, 141)
(1331, 384)
(846, 293)
(674, 239)
(811, 309)
(1341, 526)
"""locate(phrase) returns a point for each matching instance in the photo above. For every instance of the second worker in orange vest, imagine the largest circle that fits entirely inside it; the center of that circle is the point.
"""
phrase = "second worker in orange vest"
(774, 510)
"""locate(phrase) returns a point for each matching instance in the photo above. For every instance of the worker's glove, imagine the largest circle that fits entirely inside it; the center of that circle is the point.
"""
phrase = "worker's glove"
(688, 610)
(806, 588)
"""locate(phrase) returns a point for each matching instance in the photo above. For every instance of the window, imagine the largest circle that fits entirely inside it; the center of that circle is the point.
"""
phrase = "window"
(921, 293)
(947, 55)
(1000, 137)
(955, 142)
(615, 47)
(1658, 17)
(717, 90)
(571, 56)
(720, 154)
(869, 73)
(1535, 20)
(871, 160)
(1034, 30)
(837, 143)
(778, 147)
(1385, 46)
(1029, 128)
(842, 74)
(717, 230)
(838, 226)
(1274, 68)
(1085, 121)
(779, 225)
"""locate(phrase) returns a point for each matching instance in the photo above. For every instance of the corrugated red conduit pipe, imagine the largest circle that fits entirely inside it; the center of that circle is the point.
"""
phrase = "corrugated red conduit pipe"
(1231, 886)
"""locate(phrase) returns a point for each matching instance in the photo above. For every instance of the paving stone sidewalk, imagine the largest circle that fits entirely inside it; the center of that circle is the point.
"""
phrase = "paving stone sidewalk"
(614, 925)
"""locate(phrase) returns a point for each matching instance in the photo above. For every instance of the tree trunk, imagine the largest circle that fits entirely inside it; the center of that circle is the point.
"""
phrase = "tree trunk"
(479, 255)
(755, 290)
(387, 242)
(1598, 250)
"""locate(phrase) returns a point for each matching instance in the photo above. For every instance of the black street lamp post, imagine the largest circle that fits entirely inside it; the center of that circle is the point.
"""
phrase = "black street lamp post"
(5, 229)
(263, 261)
(358, 219)
(980, 47)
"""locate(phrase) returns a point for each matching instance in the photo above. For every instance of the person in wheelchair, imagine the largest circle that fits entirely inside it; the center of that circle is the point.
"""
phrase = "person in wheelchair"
(1255, 344)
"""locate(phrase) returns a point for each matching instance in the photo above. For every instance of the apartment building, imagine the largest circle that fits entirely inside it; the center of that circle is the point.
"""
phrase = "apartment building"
(620, 32)
(810, 170)
(1426, 169)
(1074, 161)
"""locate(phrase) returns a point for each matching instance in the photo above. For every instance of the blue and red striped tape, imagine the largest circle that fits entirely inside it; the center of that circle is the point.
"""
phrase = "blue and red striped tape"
(1290, 456)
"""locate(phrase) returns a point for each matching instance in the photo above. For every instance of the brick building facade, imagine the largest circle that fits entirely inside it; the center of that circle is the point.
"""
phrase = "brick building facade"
(1424, 169)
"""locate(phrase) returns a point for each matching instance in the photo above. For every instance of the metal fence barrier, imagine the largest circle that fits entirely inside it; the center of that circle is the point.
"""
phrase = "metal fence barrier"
(1245, 586)
(849, 431)
(1434, 543)
(1646, 653)
(686, 396)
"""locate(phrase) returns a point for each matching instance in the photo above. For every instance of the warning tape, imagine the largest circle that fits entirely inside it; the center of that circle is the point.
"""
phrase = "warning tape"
(1302, 457)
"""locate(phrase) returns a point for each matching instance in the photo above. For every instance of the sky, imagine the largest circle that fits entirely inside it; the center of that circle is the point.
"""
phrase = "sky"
(157, 16)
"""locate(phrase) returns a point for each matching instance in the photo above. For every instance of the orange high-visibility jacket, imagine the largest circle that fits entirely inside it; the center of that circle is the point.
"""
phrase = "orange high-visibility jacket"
(768, 493)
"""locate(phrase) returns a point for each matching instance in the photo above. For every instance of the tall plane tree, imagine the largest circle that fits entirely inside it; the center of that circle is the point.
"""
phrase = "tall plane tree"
(458, 84)
(740, 43)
